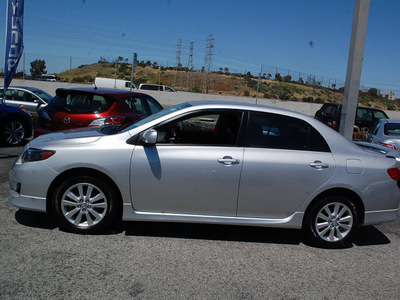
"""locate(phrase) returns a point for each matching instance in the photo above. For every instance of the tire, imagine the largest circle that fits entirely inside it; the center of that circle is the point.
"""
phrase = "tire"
(331, 222)
(13, 133)
(85, 204)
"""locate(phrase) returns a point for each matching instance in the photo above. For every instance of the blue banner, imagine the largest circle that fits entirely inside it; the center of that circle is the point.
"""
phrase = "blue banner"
(14, 39)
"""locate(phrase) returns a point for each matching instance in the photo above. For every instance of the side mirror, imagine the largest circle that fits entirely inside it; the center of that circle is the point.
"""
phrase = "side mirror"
(149, 137)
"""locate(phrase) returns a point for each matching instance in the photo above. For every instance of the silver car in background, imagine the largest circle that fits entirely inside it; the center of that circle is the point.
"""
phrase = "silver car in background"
(385, 132)
(211, 162)
(25, 97)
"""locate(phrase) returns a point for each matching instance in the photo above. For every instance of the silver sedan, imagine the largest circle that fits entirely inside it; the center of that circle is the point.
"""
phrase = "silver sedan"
(385, 132)
(211, 162)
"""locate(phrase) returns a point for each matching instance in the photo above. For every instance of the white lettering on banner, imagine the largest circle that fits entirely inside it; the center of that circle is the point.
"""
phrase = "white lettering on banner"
(11, 61)
(14, 7)
(14, 37)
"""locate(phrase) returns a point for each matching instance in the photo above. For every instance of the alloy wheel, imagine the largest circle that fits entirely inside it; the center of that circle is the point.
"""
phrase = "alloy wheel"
(14, 132)
(334, 222)
(84, 205)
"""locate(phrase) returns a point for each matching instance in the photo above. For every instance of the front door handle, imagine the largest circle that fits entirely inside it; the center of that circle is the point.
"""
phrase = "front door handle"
(228, 160)
(319, 165)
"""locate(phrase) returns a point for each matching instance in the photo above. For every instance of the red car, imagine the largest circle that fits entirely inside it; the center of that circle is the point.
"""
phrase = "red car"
(89, 107)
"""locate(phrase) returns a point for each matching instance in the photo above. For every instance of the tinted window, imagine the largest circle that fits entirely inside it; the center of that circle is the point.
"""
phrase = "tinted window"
(330, 110)
(364, 115)
(150, 87)
(380, 115)
(77, 103)
(154, 106)
(282, 132)
(392, 129)
(136, 104)
(220, 128)
(43, 95)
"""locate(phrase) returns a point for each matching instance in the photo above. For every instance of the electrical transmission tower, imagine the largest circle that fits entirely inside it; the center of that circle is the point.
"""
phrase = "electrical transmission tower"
(189, 77)
(208, 63)
(177, 77)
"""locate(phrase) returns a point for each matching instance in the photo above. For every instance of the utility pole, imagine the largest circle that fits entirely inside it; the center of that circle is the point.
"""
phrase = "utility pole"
(354, 66)
(134, 64)
(258, 82)
(208, 62)
(178, 65)
(189, 77)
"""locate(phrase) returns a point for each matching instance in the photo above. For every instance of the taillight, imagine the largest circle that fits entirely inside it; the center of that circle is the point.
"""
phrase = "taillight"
(114, 120)
(391, 146)
(394, 173)
(334, 124)
(107, 121)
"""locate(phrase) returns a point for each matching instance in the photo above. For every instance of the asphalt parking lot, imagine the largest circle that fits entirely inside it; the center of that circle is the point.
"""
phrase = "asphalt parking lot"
(186, 261)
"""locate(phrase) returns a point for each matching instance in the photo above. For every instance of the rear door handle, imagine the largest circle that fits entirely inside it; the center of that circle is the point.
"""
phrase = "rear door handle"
(319, 165)
(228, 160)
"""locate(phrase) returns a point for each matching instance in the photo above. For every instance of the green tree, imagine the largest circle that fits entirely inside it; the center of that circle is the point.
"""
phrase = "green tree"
(287, 78)
(373, 92)
(38, 68)
(278, 77)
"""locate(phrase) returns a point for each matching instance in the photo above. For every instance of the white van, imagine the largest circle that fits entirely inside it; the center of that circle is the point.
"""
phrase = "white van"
(155, 87)
(114, 83)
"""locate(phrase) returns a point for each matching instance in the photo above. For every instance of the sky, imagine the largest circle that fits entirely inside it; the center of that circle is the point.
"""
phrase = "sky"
(297, 37)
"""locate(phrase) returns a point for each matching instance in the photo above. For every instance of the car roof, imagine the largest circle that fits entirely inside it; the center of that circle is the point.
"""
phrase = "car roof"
(243, 106)
(358, 106)
(390, 120)
(29, 88)
(99, 91)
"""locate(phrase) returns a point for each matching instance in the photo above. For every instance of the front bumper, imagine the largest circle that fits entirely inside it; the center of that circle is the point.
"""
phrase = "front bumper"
(29, 183)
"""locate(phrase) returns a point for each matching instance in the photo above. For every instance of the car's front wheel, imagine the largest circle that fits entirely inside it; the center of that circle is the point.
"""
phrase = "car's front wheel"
(331, 222)
(85, 204)
(13, 133)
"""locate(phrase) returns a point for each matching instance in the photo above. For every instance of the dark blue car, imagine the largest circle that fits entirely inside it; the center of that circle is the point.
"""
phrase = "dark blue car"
(15, 125)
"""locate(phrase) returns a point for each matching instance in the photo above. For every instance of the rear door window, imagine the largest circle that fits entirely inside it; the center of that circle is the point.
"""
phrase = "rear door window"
(282, 132)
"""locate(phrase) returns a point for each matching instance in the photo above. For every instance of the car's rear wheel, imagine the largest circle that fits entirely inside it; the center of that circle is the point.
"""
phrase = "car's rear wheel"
(13, 133)
(85, 204)
(332, 222)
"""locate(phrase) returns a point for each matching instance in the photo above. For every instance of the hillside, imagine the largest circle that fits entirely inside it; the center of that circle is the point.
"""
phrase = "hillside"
(222, 83)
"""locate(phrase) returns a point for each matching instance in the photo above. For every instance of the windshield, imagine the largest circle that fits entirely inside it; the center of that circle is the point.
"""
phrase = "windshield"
(43, 95)
(157, 115)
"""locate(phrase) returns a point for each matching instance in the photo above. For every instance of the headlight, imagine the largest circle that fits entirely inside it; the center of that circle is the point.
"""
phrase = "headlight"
(36, 155)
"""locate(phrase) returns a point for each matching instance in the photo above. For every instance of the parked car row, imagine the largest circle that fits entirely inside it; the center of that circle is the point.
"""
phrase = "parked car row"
(70, 109)
(111, 83)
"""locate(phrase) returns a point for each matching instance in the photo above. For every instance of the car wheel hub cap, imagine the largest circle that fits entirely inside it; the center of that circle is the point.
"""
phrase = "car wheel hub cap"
(84, 205)
(334, 222)
(14, 132)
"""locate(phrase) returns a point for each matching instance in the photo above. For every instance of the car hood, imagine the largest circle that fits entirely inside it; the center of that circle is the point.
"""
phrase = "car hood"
(67, 137)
